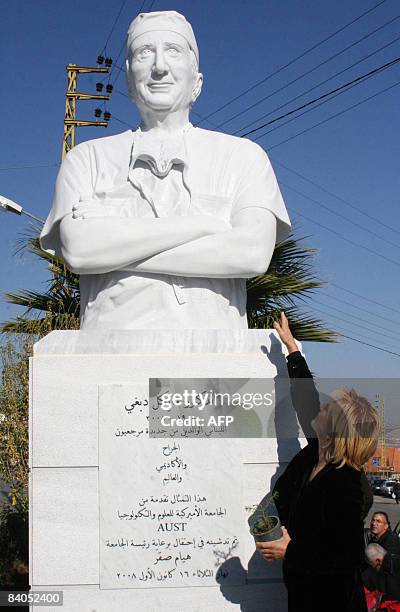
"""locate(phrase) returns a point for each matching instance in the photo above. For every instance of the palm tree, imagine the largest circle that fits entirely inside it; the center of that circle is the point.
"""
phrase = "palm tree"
(55, 308)
(289, 278)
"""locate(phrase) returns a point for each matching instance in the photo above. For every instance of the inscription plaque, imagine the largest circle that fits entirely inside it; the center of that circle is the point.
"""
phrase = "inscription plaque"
(171, 510)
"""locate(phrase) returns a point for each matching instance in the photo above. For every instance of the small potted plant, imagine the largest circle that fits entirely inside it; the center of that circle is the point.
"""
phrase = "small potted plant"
(263, 526)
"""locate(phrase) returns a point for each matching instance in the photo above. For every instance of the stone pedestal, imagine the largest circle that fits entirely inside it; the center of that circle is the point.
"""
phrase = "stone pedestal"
(112, 526)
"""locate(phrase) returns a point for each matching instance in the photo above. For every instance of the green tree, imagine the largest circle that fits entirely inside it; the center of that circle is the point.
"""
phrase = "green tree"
(55, 308)
(14, 461)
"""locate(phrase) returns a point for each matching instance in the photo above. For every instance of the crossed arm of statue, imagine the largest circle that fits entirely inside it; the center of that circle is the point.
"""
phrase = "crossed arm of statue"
(201, 245)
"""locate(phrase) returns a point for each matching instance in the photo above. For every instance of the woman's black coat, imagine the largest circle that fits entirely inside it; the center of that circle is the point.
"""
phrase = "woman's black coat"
(324, 517)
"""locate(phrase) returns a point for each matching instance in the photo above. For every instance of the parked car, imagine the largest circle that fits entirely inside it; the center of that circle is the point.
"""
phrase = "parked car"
(376, 486)
(387, 488)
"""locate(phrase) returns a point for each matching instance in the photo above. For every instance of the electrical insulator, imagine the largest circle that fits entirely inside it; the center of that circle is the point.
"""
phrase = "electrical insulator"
(100, 59)
(109, 88)
(99, 86)
(107, 116)
(97, 112)
(108, 62)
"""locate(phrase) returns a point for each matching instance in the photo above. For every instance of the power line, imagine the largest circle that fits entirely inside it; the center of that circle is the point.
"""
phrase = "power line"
(360, 334)
(303, 54)
(367, 299)
(25, 167)
(121, 93)
(363, 59)
(379, 348)
(351, 328)
(328, 314)
(361, 246)
(311, 70)
(330, 193)
(338, 214)
(278, 144)
(333, 93)
(374, 314)
(113, 26)
(355, 317)
(122, 48)
(121, 121)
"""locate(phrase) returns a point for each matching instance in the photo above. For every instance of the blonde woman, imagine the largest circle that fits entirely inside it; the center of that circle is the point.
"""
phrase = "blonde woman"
(323, 495)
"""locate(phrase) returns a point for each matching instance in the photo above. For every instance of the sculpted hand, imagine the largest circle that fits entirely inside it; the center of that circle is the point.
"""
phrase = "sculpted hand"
(272, 551)
(89, 209)
(285, 334)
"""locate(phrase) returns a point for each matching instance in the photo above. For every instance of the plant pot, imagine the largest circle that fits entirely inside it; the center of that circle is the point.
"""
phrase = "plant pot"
(274, 533)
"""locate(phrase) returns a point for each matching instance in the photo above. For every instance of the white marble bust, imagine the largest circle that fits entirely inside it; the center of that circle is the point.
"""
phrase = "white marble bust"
(165, 223)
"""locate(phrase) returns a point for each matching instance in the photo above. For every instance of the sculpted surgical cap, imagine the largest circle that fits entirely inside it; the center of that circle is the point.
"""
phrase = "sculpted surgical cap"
(165, 21)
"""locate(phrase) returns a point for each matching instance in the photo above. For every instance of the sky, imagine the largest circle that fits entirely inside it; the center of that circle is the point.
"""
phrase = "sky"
(337, 164)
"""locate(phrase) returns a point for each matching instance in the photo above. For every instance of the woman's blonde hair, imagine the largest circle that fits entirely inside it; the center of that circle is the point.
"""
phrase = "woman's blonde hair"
(353, 430)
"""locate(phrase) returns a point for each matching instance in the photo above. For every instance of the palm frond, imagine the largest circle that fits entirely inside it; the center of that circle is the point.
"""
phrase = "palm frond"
(55, 308)
(40, 326)
(289, 278)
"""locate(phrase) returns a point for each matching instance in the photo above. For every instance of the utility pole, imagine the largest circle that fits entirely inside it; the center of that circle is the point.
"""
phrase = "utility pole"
(72, 95)
(380, 405)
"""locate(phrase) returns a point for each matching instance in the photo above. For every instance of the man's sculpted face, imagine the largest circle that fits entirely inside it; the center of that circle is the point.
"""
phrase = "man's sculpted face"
(162, 72)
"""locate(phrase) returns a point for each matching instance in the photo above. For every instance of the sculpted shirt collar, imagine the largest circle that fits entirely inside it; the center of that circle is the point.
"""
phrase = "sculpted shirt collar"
(160, 156)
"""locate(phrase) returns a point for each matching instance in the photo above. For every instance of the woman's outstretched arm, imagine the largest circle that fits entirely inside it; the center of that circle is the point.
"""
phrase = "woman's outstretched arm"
(305, 398)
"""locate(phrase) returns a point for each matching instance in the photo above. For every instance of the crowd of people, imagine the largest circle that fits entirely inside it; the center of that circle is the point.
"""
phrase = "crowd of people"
(381, 573)
(330, 561)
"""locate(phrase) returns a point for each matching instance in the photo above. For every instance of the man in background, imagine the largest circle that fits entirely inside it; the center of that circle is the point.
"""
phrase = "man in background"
(382, 572)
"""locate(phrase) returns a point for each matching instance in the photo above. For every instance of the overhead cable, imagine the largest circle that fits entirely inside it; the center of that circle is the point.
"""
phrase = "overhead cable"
(330, 94)
(122, 48)
(360, 308)
(26, 167)
(303, 54)
(361, 246)
(363, 297)
(338, 214)
(328, 314)
(304, 93)
(301, 76)
(333, 195)
(342, 112)
(113, 26)
(379, 348)
(376, 325)
(121, 121)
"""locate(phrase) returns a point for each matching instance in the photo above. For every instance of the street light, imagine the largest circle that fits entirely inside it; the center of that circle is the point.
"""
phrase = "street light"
(7, 205)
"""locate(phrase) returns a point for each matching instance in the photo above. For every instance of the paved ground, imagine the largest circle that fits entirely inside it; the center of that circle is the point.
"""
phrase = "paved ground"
(388, 505)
